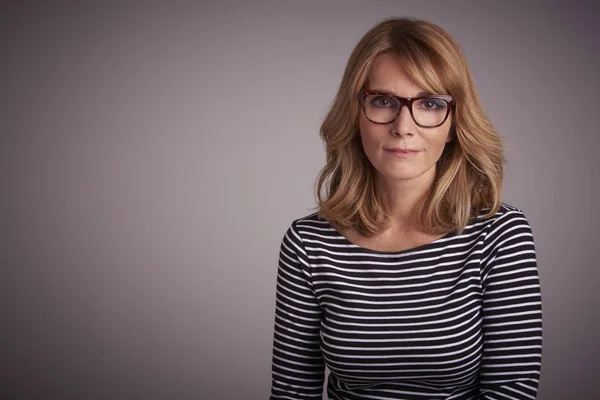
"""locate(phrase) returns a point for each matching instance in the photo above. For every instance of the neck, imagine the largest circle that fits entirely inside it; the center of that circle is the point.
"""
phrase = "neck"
(399, 199)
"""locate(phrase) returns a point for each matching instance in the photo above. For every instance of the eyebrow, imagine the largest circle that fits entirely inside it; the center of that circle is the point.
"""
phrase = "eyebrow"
(421, 93)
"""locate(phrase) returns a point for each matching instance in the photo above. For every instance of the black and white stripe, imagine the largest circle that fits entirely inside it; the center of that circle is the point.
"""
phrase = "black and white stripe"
(459, 318)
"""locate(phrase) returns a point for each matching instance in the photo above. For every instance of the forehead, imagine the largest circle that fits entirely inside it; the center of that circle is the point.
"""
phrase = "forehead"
(388, 74)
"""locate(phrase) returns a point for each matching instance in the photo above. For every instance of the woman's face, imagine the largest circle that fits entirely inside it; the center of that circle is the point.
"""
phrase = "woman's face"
(401, 150)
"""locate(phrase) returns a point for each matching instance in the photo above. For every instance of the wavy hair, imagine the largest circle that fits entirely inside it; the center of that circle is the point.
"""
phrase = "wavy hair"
(470, 171)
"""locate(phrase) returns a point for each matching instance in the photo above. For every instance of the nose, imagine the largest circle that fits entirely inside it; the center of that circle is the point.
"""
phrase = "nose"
(404, 124)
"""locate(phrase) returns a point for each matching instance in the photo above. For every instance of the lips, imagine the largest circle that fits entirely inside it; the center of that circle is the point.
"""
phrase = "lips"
(402, 153)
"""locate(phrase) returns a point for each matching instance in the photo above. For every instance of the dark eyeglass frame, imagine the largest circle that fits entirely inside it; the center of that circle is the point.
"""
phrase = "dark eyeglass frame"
(408, 101)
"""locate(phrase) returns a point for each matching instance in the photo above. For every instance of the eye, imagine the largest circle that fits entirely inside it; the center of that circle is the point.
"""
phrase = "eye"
(431, 104)
(380, 101)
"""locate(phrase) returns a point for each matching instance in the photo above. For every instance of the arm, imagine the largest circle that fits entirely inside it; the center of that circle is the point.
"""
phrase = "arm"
(512, 311)
(298, 369)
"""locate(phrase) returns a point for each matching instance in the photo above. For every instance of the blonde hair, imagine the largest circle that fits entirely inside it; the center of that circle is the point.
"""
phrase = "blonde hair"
(470, 170)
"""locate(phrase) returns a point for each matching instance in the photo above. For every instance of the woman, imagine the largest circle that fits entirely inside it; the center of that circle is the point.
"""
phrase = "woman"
(413, 280)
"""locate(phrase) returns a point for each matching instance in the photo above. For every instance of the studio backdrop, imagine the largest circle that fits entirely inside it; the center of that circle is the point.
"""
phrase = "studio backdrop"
(153, 154)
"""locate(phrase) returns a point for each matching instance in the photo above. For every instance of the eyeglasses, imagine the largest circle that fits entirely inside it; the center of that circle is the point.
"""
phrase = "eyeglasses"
(427, 111)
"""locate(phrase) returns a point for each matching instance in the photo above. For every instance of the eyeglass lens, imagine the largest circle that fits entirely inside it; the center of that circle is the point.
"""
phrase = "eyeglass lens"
(427, 112)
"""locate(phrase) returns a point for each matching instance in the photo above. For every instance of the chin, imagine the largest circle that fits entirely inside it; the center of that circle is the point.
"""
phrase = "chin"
(404, 175)
(399, 176)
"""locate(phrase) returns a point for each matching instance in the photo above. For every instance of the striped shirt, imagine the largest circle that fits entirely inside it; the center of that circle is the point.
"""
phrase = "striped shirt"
(458, 318)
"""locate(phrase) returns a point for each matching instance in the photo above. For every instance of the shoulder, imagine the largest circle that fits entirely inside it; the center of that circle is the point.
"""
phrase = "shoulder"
(506, 217)
(305, 230)
(312, 232)
(508, 248)
(507, 228)
(309, 224)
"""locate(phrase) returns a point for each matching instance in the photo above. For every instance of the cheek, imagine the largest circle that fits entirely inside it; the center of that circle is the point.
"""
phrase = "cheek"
(437, 146)
(442, 139)
(448, 128)
(440, 136)
(370, 145)
(371, 135)
(365, 135)
(363, 129)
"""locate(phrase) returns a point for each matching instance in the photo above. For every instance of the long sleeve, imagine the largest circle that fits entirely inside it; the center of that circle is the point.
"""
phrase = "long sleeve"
(298, 369)
(512, 311)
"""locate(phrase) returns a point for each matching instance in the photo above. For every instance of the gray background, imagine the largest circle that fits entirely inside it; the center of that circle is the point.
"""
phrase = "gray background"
(152, 156)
